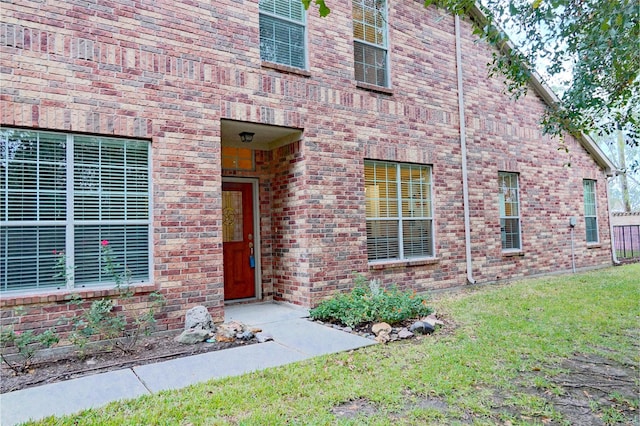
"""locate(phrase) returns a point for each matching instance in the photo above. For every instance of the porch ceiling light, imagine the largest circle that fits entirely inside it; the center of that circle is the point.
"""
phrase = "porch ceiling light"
(246, 137)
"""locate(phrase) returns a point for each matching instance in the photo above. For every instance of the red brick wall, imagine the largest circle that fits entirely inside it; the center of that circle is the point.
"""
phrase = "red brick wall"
(169, 71)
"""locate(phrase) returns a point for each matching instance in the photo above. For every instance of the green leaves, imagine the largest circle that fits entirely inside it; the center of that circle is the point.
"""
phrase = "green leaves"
(323, 10)
(369, 302)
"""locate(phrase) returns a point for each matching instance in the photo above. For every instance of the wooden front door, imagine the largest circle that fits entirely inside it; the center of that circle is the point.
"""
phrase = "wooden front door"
(238, 240)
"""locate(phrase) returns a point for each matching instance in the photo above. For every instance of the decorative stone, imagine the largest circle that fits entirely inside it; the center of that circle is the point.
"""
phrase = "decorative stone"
(421, 327)
(431, 319)
(224, 333)
(198, 317)
(247, 335)
(383, 336)
(348, 329)
(193, 336)
(236, 325)
(381, 327)
(263, 337)
(404, 334)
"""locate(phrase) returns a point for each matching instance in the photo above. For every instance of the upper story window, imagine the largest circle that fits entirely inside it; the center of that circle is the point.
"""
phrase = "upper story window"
(399, 211)
(370, 42)
(509, 199)
(590, 212)
(282, 32)
(61, 197)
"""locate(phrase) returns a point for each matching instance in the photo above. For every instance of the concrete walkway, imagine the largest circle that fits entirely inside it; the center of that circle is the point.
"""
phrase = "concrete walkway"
(295, 339)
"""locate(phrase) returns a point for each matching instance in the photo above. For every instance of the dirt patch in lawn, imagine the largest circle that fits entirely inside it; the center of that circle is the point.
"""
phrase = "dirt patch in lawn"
(59, 365)
(590, 390)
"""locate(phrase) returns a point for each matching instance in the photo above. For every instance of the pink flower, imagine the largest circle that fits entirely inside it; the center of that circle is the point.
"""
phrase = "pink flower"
(105, 243)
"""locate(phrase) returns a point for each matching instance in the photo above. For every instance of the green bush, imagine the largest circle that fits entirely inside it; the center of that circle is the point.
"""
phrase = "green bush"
(368, 302)
(26, 344)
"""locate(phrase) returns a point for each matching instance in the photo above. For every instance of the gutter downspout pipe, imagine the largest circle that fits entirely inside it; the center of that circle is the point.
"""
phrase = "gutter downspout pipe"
(463, 154)
(614, 256)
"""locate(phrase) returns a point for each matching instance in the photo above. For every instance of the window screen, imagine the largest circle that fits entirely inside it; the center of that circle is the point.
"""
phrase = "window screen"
(60, 197)
(282, 32)
(590, 213)
(370, 41)
(508, 195)
(399, 211)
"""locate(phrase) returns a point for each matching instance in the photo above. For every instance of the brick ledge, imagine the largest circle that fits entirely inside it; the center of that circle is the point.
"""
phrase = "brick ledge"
(63, 295)
(285, 68)
(374, 88)
(403, 263)
(512, 253)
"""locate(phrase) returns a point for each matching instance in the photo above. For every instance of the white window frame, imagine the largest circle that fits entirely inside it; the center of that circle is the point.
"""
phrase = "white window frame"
(590, 199)
(69, 222)
(400, 218)
(302, 23)
(384, 46)
(502, 209)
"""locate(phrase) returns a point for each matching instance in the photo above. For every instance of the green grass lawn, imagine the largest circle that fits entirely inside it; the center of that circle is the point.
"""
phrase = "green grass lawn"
(507, 356)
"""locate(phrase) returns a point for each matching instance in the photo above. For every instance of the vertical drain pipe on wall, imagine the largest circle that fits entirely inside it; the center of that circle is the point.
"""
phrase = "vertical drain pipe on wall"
(463, 154)
(614, 255)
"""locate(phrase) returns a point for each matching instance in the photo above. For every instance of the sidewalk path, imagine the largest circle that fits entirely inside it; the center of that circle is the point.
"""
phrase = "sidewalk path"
(295, 339)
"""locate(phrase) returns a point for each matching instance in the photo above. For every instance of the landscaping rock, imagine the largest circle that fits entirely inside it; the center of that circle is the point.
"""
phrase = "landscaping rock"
(421, 327)
(198, 317)
(193, 336)
(263, 337)
(405, 334)
(382, 337)
(431, 319)
(226, 333)
(381, 327)
(247, 335)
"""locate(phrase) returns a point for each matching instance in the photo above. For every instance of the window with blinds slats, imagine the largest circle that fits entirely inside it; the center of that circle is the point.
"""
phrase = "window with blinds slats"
(590, 211)
(282, 32)
(60, 197)
(399, 211)
(370, 41)
(509, 200)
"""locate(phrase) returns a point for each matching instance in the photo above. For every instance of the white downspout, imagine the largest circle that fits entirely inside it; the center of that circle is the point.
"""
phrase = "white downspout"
(463, 154)
(614, 256)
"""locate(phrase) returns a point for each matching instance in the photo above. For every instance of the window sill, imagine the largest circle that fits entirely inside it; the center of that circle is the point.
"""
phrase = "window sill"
(594, 245)
(518, 253)
(403, 263)
(374, 88)
(285, 68)
(64, 295)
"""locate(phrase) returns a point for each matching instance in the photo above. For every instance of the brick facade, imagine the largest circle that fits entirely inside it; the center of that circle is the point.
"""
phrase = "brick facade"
(169, 72)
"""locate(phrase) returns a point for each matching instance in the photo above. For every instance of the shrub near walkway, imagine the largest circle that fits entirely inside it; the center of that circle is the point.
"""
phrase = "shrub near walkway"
(559, 350)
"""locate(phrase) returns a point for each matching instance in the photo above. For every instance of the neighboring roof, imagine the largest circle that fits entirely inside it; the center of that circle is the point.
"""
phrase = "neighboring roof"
(545, 92)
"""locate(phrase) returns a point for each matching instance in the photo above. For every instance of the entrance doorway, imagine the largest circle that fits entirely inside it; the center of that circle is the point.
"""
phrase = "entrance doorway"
(239, 242)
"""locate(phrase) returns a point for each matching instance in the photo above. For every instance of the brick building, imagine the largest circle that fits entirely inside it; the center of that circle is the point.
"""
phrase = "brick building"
(251, 151)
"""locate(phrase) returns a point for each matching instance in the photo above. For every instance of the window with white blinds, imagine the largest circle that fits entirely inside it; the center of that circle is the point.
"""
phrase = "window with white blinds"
(590, 211)
(509, 200)
(60, 197)
(282, 32)
(370, 41)
(399, 211)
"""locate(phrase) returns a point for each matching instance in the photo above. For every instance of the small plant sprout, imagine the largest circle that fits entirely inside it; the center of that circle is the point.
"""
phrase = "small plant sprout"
(26, 343)
(100, 320)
